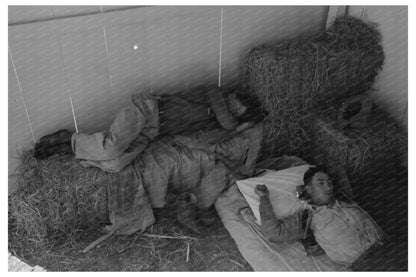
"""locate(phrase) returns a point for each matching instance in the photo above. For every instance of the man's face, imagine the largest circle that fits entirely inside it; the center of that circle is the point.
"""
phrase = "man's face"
(236, 107)
(320, 189)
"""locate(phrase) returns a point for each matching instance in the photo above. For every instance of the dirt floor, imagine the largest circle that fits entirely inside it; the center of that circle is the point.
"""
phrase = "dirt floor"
(165, 246)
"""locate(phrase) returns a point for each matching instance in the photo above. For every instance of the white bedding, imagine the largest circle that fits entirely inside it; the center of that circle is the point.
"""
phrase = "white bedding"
(282, 188)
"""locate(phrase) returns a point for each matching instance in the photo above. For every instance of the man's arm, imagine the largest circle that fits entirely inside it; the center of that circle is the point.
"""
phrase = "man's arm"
(312, 248)
(285, 229)
(125, 128)
(218, 104)
(255, 136)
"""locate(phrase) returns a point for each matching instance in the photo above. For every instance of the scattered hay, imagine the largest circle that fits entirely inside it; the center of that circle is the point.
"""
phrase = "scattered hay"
(56, 197)
(298, 79)
(164, 246)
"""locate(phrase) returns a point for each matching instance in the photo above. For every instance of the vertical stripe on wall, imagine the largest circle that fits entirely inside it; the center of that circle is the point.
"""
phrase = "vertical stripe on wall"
(67, 83)
(66, 77)
(220, 55)
(22, 96)
(107, 55)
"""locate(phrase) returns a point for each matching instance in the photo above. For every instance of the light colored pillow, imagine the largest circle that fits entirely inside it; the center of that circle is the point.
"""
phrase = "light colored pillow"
(282, 190)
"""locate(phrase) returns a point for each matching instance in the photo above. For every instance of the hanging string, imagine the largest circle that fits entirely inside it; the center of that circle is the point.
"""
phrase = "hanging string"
(67, 81)
(147, 55)
(21, 95)
(363, 15)
(220, 61)
(107, 54)
(66, 76)
(151, 71)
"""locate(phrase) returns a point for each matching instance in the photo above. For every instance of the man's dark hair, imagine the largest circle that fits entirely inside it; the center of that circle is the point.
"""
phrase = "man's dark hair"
(307, 177)
(254, 110)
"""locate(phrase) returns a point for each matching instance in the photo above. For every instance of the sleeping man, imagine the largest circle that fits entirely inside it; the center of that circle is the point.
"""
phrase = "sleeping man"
(149, 116)
(339, 228)
(142, 166)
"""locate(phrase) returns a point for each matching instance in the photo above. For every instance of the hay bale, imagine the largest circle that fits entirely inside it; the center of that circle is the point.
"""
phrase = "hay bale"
(56, 198)
(358, 150)
(305, 76)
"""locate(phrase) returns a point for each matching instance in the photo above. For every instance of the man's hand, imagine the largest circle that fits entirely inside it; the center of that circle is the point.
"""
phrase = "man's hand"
(239, 171)
(261, 190)
(245, 125)
(314, 250)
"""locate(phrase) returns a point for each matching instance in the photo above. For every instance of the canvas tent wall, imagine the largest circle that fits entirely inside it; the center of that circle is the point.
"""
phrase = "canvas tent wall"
(75, 66)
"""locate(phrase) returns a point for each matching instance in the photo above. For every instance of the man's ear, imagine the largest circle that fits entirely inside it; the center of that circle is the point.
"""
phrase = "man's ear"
(308, 188)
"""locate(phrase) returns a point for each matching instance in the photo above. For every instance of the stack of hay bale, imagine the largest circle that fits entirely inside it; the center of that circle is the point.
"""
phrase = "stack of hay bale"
(302, 84)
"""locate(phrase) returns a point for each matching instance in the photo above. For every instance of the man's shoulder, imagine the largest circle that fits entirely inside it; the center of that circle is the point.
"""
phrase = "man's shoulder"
(346, 203)
(337, 203)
